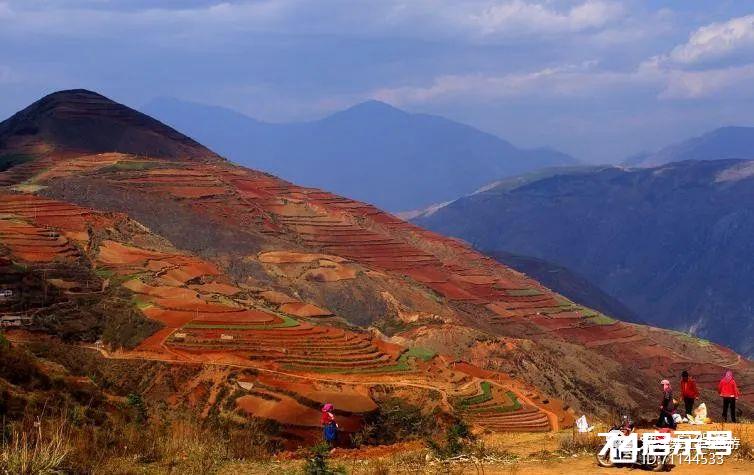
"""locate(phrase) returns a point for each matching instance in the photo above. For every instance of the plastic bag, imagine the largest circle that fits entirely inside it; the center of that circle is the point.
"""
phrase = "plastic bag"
(582, 425)
(700, 414)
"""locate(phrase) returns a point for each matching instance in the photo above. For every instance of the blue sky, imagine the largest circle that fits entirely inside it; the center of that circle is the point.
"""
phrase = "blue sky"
(600, 79)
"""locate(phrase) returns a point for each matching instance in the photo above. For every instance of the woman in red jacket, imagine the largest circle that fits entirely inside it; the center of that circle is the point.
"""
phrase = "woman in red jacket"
(728, 389)
(689, 392)
(329, 426)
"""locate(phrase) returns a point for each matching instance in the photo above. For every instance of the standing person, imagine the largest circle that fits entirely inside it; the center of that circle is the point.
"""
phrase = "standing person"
(728, 390)
(329, 426)
(667, 407)
(689, 393)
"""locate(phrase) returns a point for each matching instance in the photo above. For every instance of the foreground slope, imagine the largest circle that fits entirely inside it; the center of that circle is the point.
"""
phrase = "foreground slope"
(288, 296)
(673, 243)
(372, 151)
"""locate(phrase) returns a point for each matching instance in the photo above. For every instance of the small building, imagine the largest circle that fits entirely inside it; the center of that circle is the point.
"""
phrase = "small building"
(6, 294)
(226, 337)
(179, 335)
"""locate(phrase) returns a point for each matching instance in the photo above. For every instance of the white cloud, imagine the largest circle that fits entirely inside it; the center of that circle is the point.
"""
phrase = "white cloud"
(717, 41)
(519, 16)
(572, 80)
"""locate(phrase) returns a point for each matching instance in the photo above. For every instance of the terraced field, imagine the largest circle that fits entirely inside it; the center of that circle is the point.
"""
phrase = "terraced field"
(500, 410)
(206, 317)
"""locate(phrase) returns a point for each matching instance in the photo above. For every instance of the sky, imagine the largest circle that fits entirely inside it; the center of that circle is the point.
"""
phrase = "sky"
(600, 79)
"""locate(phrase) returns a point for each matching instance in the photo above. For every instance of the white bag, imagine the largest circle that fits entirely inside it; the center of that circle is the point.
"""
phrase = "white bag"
(582, 425)
(700, 413)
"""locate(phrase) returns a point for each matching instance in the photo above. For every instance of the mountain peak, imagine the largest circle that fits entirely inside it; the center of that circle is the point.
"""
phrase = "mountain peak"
(373, 107)
(83, 121)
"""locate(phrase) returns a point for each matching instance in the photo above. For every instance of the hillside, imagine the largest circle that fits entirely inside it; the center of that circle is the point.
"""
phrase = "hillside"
(371, 152)
(669, 242)
(263, 299)
(720, 144)
(567, 283)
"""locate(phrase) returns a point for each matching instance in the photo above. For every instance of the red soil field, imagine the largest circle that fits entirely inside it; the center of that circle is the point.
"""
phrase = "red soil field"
(189, 272)
(193, 304)
(283, 257)
(114, 253)
(165, 292)
(217, 288)
(301, 309)
(171, 318)
(289, 412)
(275, 297)
(237, 318)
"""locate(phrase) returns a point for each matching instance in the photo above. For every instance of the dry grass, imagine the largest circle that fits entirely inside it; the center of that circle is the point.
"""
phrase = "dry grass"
(39, 449)
(578, 443)
(745, 450)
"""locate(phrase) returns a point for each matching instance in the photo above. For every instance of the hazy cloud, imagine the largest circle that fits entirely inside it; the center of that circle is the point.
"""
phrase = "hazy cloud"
(428, 19)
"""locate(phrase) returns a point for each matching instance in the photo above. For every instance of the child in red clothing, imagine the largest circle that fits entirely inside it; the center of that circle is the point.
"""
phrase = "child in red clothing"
(728, 390)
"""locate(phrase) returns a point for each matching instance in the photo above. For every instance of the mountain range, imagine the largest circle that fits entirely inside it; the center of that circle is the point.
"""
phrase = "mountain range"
(672, 242)
(719, 144)
(372, 151)
(179, 280)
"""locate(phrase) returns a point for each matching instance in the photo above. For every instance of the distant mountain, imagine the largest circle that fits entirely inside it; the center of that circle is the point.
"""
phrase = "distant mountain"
(372, 152)
(719, 144)
(80, 120)
(568, 283)
(674, 243)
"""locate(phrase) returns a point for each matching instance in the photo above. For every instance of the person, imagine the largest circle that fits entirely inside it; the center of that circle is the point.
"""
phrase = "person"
(667, 407)
(329, 425)
(689, 393)
(728, 390)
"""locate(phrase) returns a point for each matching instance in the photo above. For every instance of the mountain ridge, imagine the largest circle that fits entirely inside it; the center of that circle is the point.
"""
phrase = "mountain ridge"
(729, 142)
(616, 226)
(371, 151)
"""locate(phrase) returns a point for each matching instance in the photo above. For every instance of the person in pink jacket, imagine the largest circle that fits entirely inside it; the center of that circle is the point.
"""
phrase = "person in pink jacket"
(728, 390)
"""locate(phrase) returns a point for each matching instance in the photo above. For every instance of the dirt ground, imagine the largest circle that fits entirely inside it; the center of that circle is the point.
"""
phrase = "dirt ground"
(573, 465)
(517, 454)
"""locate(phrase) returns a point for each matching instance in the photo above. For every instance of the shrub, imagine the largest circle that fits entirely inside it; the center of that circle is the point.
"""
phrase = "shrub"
(395, 421)
(458, 440)
(135, 402)
(317, 461)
